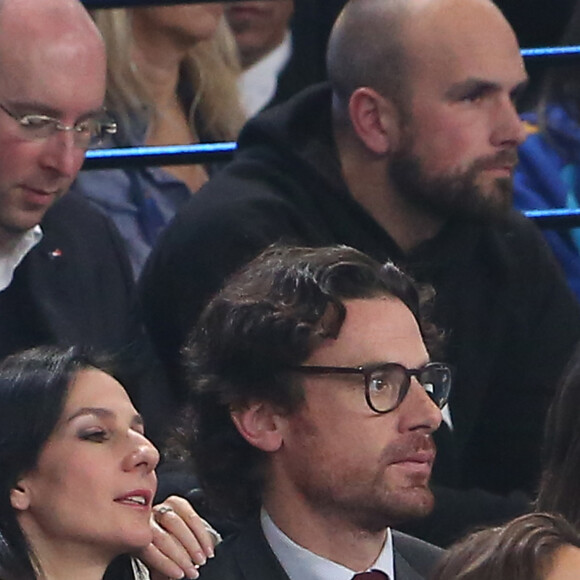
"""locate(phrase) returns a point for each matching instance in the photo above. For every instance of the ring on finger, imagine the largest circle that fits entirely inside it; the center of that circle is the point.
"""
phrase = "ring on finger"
(164, 509)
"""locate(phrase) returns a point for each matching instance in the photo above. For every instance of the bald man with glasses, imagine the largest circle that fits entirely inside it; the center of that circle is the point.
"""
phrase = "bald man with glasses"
(64, 275)
(315, 401)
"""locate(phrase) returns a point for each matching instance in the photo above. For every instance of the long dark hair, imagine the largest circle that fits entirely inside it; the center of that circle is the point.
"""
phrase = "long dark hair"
(558, 490)
(34, 386)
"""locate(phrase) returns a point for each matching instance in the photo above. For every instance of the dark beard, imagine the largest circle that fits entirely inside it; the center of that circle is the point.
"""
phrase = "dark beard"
(453, 195)
(366, 499)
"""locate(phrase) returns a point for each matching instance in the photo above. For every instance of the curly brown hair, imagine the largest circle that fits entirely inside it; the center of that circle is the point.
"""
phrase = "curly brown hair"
(269, 318)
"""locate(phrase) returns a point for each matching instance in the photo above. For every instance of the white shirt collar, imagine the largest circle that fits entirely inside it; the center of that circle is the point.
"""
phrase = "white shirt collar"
(11, 256)
(302, 564)
(257, 85)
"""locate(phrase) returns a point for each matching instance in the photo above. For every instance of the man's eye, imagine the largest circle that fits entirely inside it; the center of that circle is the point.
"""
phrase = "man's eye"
(36, 121)
(377, 385)
(383, 385)
(472, 97)
(85, 127)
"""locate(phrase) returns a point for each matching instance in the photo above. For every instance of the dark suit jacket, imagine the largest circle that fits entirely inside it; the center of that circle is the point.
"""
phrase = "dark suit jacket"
(301, 71)
(74, 288)
(248, 556)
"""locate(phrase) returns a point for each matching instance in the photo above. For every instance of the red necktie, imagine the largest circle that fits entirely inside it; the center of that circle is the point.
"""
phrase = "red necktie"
(372, 575)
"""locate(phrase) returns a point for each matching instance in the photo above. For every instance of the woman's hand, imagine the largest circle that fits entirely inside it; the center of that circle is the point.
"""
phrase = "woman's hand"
(182, 541)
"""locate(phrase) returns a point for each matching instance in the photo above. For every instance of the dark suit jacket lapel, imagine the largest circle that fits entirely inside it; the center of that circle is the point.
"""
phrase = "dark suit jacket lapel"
(255, 557)
(58, 296)
(403, 570)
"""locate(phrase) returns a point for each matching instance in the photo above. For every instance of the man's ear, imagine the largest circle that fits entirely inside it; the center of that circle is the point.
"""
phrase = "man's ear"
(375, 120)
(20, 496)
(259, 424)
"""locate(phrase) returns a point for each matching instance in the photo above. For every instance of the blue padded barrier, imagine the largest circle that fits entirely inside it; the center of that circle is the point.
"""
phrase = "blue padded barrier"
(551, 54)
(166, 155)
(555, 218)
(96, 4)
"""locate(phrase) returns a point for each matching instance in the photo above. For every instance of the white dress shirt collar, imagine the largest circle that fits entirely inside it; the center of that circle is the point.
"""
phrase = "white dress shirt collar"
(302, 564)
(11, 256)
(257, 84)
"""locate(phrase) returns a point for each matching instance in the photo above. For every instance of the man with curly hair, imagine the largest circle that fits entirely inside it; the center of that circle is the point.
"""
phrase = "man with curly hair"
(314, 402)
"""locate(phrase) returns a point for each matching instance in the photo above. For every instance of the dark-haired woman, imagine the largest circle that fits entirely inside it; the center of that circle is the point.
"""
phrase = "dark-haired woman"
(558, 490)
(548, 173)
(77, 476)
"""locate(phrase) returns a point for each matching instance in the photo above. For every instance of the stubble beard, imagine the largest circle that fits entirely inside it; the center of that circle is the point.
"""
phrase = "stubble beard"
(369, 500)
(456, 194)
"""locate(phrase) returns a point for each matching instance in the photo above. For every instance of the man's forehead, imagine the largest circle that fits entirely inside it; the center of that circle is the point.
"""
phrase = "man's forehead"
(62, 75)
(45, 25)
(455, 51)
(374, 330)
(42, 14)
(475, 28)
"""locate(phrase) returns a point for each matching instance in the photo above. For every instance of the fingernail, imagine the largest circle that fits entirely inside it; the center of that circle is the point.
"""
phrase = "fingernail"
(192, 572)
(200, 558)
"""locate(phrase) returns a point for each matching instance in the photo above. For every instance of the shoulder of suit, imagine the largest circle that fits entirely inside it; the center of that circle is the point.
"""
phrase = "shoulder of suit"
(413, 548)
(72, 205)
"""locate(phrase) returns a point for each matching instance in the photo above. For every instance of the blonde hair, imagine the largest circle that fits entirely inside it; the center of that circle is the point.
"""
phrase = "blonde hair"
(211, 67)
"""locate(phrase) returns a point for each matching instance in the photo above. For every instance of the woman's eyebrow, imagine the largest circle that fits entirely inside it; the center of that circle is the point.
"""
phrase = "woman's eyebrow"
(97, 411)
(101, 412)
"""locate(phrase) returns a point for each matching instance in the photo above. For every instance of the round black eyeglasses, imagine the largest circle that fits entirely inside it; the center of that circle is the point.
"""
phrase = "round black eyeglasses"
(387, 384)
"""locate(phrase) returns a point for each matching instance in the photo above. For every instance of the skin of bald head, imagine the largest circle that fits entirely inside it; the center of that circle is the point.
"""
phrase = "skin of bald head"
(374, 59)
(50, 16)
(381, 58)
(52, 62)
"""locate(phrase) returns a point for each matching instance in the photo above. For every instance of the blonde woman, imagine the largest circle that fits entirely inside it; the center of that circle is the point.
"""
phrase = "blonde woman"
(171, 80)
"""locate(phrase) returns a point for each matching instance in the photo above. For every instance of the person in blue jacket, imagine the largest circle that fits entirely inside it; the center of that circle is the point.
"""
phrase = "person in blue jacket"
(548, 173)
